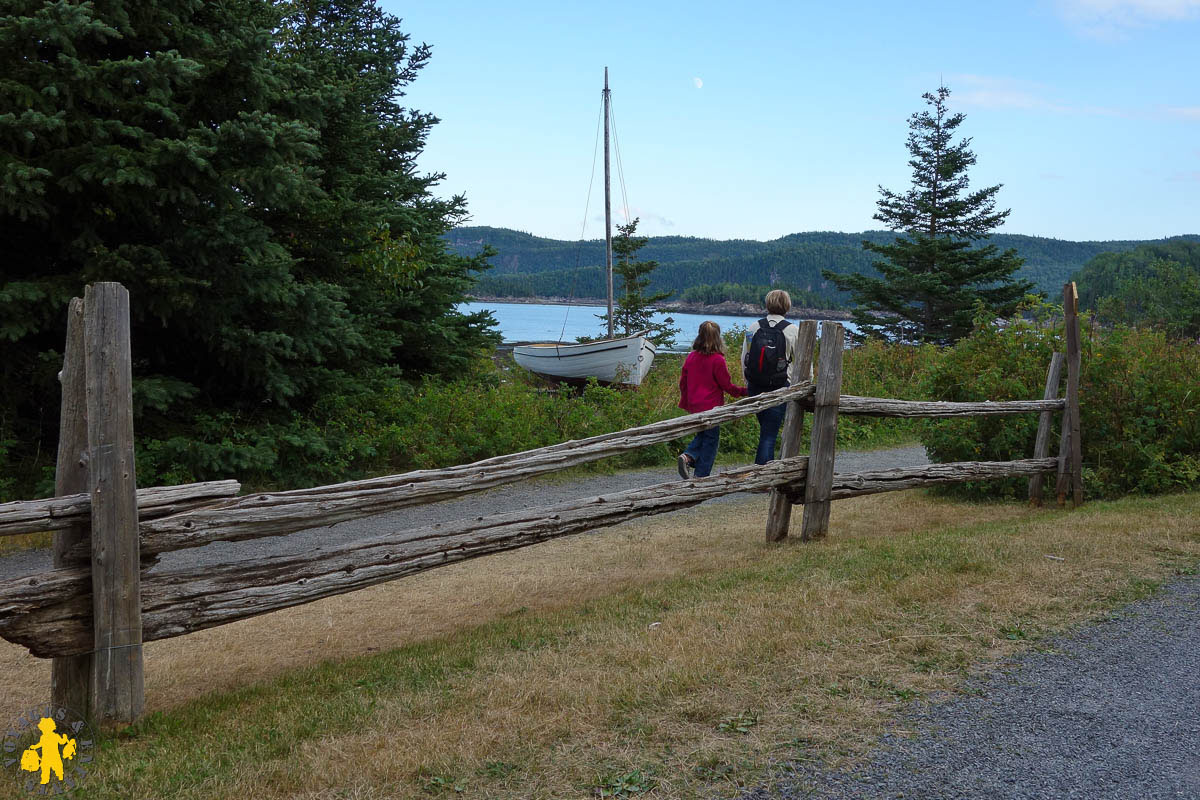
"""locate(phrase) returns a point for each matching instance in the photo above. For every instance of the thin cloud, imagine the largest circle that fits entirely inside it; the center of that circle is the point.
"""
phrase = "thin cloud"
(1184, 112)
(651, 217)
(1115, 19)
(619, 218)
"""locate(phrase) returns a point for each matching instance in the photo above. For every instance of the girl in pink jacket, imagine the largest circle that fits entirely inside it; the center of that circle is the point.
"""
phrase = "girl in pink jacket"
(703, 384)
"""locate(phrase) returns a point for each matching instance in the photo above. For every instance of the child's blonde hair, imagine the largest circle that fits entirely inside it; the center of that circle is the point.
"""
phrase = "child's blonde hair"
(708, 339)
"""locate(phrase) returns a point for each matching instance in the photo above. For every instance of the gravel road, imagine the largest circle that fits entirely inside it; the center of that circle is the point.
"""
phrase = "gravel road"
(512, 497)
(1110, 712)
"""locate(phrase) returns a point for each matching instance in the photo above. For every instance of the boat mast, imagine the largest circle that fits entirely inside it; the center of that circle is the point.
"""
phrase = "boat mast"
(608, 211)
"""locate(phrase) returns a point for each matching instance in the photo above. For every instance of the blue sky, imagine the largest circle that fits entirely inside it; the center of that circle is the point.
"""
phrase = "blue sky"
(760, 119)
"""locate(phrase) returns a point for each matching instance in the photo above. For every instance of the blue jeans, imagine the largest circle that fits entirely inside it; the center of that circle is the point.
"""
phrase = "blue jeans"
(769, 422)
(703, 450)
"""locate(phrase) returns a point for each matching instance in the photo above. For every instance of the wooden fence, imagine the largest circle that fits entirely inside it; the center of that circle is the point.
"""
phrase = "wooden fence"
(93, 611)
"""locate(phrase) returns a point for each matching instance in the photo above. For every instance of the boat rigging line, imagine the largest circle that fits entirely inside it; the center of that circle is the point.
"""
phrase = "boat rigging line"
(583, 226)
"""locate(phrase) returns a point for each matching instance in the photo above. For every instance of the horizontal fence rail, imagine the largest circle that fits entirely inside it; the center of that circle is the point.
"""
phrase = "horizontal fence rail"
(60, 513)
(50, 613)
(886, 407)
(280, 513)
(856, 484)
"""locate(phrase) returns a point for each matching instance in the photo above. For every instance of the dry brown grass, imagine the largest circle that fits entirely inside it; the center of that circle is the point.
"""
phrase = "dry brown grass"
(548, 671)
(24, 541)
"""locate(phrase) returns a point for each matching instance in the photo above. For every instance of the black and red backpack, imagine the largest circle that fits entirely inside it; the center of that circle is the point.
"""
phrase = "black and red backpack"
(766, 360)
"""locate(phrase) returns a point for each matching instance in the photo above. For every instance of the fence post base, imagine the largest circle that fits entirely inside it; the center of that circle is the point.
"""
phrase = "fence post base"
(779, 512)
(117, 676)
(1070, 472)
(819, 485)
(71, 676)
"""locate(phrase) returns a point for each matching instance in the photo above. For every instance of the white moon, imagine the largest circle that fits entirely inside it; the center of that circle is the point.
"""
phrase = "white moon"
(699, 83)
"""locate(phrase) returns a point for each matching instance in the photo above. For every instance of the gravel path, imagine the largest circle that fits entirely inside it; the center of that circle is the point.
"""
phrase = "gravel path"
(1110, 712)
(512, 497)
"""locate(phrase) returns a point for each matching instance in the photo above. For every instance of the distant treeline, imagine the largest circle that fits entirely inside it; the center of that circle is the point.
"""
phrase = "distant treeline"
(532, 266)
(711, 294)
(1155, 285)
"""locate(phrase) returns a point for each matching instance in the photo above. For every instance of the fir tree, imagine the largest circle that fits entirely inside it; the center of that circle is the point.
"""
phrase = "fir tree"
(935, 274)
(633, 309)
(246, 169)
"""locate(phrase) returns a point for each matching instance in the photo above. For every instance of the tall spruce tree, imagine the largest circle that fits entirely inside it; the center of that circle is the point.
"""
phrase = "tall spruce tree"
(245, 169)
(633, 310)
(935, 274)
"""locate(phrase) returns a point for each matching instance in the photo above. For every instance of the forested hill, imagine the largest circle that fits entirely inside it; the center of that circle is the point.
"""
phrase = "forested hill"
(531, 266)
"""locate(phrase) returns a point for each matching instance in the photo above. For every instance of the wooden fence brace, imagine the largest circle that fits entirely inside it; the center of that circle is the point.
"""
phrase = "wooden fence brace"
(71, 676)
(779, 511)
(1042, 444)
(819, 482)
(118, 689)
(1070, 476)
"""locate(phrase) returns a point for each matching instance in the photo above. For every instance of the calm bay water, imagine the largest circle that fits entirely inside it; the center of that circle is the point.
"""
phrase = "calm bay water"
(532, 322)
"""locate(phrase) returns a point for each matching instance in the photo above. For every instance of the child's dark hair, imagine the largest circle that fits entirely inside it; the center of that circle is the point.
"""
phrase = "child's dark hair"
(708, 340)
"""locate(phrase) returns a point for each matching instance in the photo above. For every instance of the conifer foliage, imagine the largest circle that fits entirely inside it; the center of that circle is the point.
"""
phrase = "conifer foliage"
(247, 170)
(633, 309)
(934, 276)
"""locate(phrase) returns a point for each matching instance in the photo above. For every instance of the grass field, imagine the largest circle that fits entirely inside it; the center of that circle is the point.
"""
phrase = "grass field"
(674, 657)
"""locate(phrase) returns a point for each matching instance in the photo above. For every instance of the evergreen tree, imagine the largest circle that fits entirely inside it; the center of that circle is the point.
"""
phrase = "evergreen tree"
(633, 310)
(377, 228)
(255, 191)
(935, 274)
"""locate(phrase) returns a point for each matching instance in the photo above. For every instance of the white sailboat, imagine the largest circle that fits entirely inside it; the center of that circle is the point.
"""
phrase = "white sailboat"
(614, 360)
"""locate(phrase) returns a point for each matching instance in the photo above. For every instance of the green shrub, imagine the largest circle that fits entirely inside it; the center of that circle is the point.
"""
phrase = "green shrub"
(880, 369)
(1139, 415)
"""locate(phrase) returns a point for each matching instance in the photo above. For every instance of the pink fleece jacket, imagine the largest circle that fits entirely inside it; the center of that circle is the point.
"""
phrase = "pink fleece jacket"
(703, 382)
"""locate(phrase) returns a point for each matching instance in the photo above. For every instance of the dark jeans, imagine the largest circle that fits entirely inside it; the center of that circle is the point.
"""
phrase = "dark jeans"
(769, 422)
(703, 450)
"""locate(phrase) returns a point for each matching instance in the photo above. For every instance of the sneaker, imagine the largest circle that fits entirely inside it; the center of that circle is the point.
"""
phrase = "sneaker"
(684, 463)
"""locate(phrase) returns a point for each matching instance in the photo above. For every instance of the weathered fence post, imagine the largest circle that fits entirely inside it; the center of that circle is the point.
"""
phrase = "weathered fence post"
(71, 676)
(1070, 469)
(1042, 443)
(779, 513)
(819, 484)
(117, 677)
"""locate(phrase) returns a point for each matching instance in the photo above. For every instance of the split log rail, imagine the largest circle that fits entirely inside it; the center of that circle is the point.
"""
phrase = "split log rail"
(94, 610)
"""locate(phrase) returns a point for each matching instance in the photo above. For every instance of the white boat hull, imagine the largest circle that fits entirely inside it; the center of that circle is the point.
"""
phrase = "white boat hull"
(620, 361)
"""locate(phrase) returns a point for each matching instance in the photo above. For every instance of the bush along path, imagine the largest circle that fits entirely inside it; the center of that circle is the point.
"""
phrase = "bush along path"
(513, 497)
(1107, 713)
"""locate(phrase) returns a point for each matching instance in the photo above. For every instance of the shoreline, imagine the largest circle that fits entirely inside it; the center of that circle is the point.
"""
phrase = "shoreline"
(728, 308)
